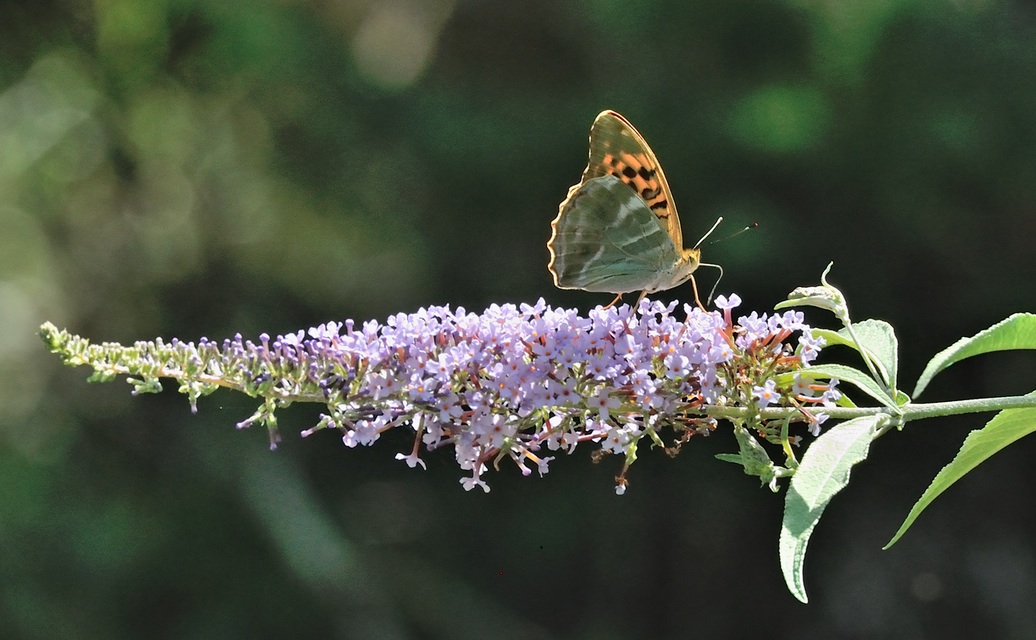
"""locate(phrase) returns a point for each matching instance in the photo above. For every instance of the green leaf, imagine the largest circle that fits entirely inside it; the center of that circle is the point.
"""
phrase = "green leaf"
(730, 457)
(824, 472)
(832, 337)
(752, 457)
(853, 376)
(1016, 332)
(1005, 428)
(878, 341)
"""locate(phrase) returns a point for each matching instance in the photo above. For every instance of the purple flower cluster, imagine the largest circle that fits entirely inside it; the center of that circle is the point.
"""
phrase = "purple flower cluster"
(514, 382)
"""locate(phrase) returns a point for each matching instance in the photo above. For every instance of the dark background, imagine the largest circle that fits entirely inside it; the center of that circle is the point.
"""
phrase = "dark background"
(195, 168)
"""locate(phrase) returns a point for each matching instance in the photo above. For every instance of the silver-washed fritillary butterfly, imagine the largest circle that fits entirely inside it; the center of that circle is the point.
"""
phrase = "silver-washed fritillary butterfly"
(617, 231)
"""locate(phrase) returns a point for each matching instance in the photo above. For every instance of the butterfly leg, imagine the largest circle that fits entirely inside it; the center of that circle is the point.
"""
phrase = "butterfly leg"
(697, 300)
(612, 303)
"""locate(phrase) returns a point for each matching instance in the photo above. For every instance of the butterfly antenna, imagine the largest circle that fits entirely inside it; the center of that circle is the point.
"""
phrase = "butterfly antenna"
(709, 233)
(754, 225)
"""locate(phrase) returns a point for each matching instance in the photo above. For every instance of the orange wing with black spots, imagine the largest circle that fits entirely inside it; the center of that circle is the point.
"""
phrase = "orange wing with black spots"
(618, 149)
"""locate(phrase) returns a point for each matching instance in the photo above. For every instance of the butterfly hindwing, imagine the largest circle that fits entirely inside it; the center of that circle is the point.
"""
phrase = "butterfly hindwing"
(618, 149)
(607, 239)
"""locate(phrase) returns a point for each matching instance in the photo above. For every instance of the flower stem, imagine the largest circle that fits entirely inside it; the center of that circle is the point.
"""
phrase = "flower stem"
(913, 411)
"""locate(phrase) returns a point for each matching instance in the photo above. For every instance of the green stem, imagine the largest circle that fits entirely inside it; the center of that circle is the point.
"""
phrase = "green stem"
(913, 411)
(957, 407)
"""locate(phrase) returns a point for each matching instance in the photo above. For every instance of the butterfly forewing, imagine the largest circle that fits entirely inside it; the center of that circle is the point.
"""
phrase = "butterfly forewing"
(618, 149)
(606, 239)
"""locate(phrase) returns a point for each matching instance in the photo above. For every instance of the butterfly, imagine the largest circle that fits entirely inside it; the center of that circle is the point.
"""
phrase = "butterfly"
(617, 231)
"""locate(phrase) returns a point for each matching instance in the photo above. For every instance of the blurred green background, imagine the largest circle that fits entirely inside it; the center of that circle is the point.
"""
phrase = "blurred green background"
(187, 169)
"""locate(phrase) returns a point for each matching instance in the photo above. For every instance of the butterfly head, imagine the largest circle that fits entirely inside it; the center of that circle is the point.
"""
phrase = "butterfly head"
(691, 258)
